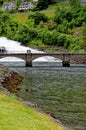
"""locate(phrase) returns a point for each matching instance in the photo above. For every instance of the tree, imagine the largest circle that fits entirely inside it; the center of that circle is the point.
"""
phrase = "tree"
(43, 4)
(75, 3)
(18, 2)
(1, 2)
(25, 34)
(8, 26)
(38, 17)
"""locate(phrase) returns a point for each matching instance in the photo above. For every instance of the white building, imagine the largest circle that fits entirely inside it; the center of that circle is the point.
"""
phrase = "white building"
(25, 6)
(35, 0)
(8, 5)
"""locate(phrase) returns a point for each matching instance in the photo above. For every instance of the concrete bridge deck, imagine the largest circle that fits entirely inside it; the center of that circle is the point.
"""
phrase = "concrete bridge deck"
(67, 58)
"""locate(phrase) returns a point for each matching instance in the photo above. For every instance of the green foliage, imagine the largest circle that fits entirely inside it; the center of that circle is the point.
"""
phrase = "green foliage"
(41, 24)
(58, 15)
(75, 45)
(51, 25)
(75, 3)
(38, 17)
(8, 26)
(30, 23)
(41, 4)
(1, 2)
(64, 27)
(36, 43)
(46, 37)
(38, 30)
(84, 37)
(70, 17)
(55, 38)
(18, 3)
(25, 34)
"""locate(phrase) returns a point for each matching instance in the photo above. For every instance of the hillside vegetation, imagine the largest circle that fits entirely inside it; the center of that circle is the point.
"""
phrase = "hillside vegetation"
(59, 26)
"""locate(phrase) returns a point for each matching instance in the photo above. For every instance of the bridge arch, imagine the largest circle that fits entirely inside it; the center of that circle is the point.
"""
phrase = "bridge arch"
(47, 61)
(11, 58)
(47, 58)
(12, 61)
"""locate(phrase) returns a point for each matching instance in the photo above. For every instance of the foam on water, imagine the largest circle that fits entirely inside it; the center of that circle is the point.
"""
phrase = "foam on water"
(14, 46)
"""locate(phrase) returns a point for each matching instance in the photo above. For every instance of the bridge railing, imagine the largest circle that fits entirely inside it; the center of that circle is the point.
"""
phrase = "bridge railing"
(13, 52)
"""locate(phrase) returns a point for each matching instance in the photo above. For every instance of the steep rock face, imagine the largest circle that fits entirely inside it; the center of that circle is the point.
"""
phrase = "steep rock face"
(9, 79)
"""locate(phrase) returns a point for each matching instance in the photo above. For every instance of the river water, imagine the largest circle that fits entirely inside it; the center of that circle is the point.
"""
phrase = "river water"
(57, 90)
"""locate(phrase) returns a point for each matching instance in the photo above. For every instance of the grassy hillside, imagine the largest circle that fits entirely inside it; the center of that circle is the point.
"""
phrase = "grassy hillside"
(59, 25)
(15, 116)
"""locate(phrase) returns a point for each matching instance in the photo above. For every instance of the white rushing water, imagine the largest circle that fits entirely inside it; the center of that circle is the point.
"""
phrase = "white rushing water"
(16, 47)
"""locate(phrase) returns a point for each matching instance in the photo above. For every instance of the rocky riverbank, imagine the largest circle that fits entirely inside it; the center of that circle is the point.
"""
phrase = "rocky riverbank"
(9, 79)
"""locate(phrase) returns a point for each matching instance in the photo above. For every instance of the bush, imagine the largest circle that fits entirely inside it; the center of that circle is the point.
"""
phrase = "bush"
(46, 37)
(75, 45)
(51, 25)
(54, 38)
(8, 26)
(25, 34)
(38, 17)
(64, 27)
(58, 15)
(41, 24)
(74, 16)
(1, 2)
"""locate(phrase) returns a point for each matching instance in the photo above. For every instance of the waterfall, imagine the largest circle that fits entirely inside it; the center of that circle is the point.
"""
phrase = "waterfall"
(12, 46)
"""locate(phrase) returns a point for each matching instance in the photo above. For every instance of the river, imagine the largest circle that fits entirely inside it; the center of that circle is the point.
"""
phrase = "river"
(60, 91)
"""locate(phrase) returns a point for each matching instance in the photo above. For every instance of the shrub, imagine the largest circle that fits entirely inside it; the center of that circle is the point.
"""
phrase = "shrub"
(41, 24)
(38, 17)
(25, 34)
(51, 25)
(46, 37)
(64, 27)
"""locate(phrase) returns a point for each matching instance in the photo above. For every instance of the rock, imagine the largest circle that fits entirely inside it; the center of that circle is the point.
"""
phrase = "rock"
(9, 79)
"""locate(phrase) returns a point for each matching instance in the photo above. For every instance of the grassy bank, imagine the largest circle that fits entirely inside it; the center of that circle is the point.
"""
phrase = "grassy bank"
(16, 116)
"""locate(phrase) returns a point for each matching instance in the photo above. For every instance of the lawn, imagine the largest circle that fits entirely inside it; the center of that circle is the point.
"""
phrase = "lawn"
(16, 116)
(21, 17)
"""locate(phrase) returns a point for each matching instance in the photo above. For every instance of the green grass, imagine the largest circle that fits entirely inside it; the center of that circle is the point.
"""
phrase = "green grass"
(59, 4)
(16, 116)
(21, 18)
(50, 14)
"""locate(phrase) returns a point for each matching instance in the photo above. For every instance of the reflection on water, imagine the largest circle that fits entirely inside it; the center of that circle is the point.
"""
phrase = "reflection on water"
(57, 90)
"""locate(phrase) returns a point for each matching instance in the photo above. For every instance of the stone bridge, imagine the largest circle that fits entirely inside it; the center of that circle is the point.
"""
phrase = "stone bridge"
(67, 58)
